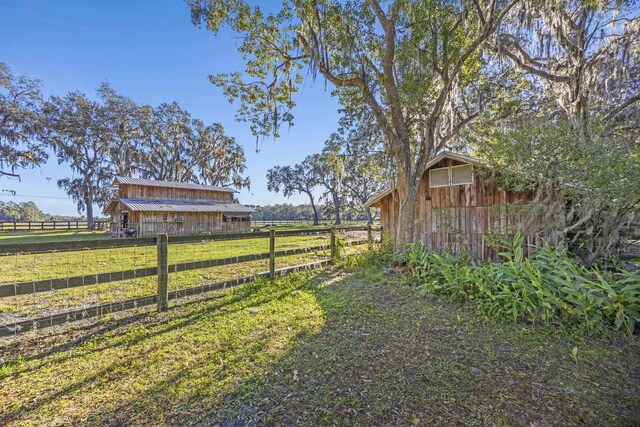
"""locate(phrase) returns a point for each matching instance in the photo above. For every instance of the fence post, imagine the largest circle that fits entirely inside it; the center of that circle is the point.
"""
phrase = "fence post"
(163, 272)
(272, 254)
(332, 244)
(370, 236)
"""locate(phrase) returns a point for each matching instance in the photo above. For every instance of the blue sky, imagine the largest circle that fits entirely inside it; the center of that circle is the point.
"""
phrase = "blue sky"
(148, 50)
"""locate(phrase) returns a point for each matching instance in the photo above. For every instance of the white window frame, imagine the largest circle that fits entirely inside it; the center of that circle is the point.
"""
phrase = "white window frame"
(448, 184)
(450, 176)
(461, 166)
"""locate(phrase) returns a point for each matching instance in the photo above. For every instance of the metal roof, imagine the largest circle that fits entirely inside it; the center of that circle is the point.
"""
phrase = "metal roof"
(170, 184)
(456, 156)
(157, 205)
(375, 199)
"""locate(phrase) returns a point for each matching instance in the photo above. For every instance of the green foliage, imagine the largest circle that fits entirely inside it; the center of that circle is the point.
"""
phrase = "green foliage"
(25, 211)
(592, 178)
(339, 246)
(550, 287)
(297, 179)
(287, 211)
(411, 65)
(20, 123)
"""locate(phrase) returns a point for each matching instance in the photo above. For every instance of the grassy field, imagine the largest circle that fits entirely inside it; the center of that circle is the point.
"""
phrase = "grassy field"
(27, 267)
(35, 236)
(11, 237)
(349, 346)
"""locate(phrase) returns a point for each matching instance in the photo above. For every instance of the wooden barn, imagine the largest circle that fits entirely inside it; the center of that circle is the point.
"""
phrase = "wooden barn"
(146, 207)
(457, 211)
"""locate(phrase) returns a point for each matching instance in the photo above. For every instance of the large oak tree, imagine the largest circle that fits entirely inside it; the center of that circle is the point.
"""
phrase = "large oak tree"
(411, 63)
(176, 147)
(80, 135)
(301, 178)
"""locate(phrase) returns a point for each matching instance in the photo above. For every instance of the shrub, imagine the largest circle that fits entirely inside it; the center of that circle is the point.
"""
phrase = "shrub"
(549, 287)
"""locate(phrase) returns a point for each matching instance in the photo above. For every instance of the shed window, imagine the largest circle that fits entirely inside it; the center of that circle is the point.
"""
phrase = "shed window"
(439, 177)
(461, 175)
(454, 175)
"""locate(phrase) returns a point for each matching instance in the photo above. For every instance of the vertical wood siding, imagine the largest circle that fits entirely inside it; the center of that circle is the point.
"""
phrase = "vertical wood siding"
(130, 191)
(152, 223)
(467, 217)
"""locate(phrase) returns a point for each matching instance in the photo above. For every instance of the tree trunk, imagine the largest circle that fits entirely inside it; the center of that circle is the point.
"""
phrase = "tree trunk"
(367, 212)
(405, 222)
(316, 220)
(89, 204)
(336, 208)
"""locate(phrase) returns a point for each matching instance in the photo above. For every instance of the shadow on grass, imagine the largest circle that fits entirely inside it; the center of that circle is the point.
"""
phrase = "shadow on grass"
(388, 356)
(118, 328)
(385, 355)
(160, 331)
(333, 349)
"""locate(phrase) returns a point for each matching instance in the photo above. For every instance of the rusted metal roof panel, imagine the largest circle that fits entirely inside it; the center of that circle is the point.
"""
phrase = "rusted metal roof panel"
(152, 205)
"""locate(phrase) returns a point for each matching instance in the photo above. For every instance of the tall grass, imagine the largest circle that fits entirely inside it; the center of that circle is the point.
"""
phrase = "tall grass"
(548, 287)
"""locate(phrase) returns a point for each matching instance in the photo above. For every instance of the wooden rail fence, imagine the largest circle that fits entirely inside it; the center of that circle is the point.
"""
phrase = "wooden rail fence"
(51, 225)
(265, 222)
(162, 270)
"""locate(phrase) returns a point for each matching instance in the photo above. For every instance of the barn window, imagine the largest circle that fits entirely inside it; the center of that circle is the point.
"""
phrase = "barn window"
(235, 218)
(461, 175)
(164, 217)
(454, 175)
(439, 177)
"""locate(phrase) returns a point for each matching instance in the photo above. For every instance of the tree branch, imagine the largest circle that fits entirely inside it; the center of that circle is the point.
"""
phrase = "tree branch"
(619, 108)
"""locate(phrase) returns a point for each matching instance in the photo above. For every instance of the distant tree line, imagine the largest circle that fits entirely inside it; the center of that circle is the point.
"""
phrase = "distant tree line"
(26, 211)
(29, 211)
(291, 212)
(350, 169)
(109, 135)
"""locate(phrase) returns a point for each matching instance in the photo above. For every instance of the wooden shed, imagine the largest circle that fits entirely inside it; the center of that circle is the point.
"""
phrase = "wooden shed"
(145, 207)
(458, 211)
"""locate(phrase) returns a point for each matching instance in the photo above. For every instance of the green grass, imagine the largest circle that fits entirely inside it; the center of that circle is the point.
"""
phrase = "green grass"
(11, 237)
(17, 268)
(35, 236)
(351, 346)
(49, 265)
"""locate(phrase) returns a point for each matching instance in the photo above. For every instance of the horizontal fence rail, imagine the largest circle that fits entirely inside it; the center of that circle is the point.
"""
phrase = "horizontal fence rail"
(21, 248)
(51, 225)
(143, 301)
(163, 242)
(305, 221)
(46, 285)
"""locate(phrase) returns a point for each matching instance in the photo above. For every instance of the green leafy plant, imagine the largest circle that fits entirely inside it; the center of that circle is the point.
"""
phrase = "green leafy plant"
(549, 287)
(339, 246)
